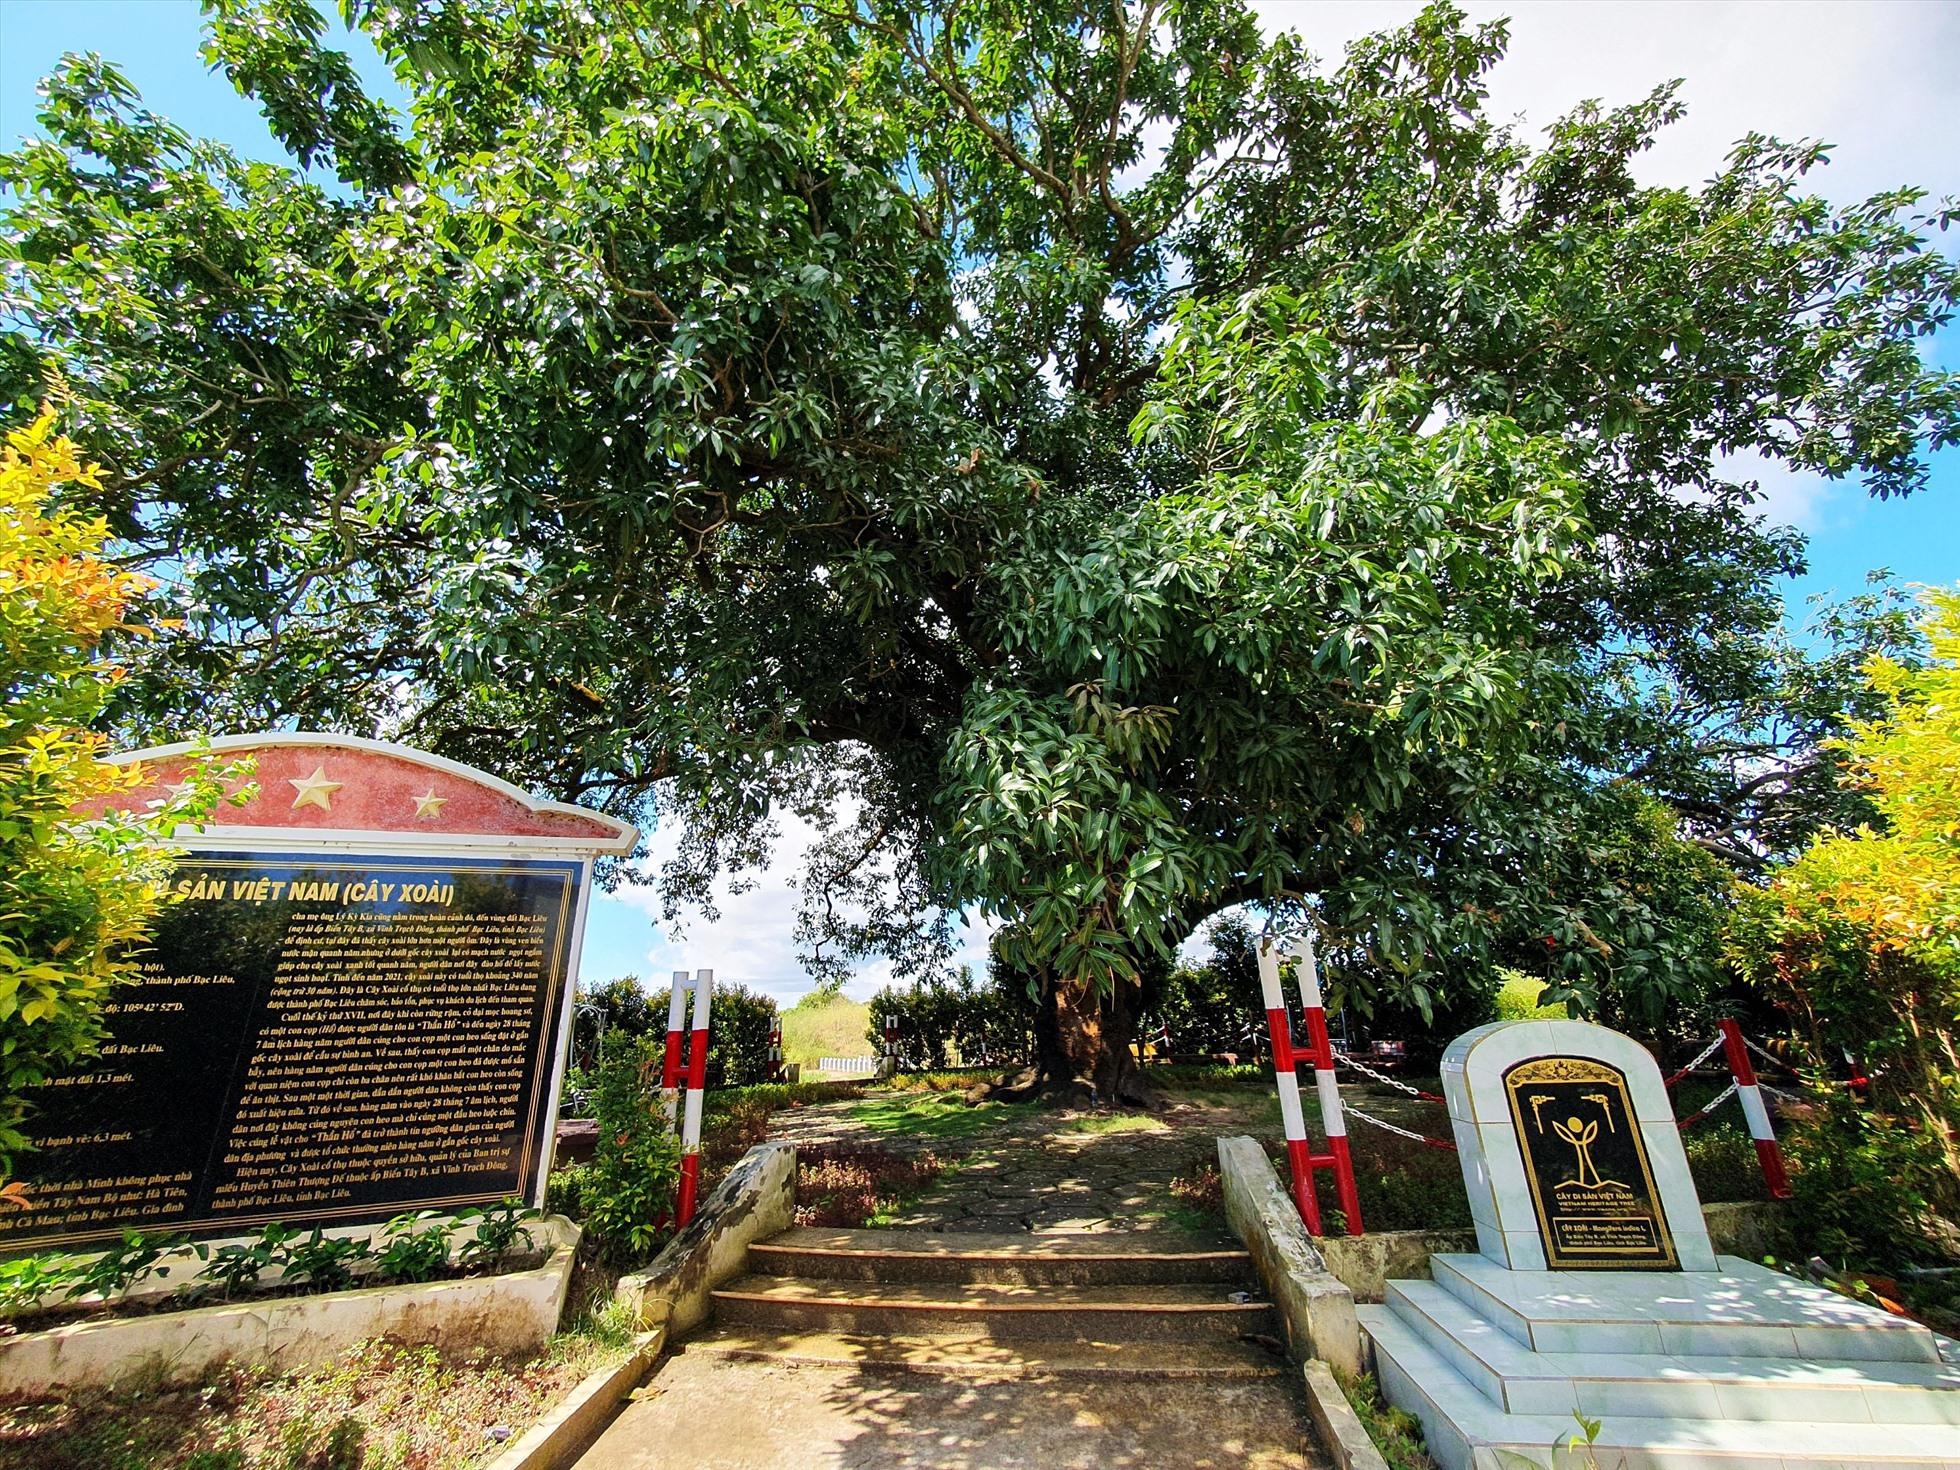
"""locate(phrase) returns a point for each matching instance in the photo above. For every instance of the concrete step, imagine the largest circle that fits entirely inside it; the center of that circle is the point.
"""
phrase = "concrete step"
(1466, 1431)
(1745, 1310)
(1741, 1388)
(987, 1357)
(1008, 1260)
(1154, 1313)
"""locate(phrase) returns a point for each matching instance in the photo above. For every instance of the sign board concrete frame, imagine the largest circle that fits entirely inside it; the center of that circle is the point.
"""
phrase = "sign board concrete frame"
(1570, 1151)
(356, 1005)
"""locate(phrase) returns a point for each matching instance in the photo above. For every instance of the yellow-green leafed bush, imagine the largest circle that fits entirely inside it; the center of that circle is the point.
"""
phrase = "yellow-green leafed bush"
(1517, 999)
(76, 896)
(1859, 941)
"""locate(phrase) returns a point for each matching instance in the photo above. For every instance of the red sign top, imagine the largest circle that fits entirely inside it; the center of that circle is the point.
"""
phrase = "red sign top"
(344, 784)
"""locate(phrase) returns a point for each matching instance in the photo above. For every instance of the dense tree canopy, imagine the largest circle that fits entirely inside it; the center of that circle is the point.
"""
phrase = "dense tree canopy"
(1123, 465)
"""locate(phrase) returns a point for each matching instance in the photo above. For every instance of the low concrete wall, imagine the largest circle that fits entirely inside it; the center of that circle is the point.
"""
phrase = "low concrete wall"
(510, 1313)
(1317, 1309)
(1341, 1431)
(1365, 1264)
(1751, 1229)
(755, 1201)
(555, 1440)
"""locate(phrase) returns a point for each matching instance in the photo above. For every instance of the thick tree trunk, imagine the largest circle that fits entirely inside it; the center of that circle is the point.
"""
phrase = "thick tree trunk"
(1082, 1049)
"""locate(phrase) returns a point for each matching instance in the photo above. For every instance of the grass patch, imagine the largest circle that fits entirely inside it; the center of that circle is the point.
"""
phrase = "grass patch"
(1247, 1077)
(1396, 1434)
(1117, 1123)
(925, 1115)
(1197, 1201)
(958, 1079)
(838, 1029)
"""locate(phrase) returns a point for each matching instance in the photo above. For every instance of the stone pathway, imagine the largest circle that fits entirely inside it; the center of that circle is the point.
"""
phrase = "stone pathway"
(1038, 1169)
(912, 1350)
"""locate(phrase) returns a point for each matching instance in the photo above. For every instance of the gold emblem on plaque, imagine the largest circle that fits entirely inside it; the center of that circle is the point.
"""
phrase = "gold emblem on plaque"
(428, 807)
(1592, 1188)
(1580, 1135)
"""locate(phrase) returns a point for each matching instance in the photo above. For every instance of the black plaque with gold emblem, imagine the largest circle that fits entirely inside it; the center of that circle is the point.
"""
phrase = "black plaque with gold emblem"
(1592, 1189)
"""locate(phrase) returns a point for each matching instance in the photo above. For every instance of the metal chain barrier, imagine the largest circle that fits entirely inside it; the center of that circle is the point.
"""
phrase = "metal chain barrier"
(1342, 1060)
(1353, 1112)
(1770, 1057)
(1706, 1052)
(1721, 1097)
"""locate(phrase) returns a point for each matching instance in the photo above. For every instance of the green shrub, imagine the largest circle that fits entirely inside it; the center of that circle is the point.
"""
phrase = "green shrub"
(123, 1264)
(1517, 999)
(628, 1192)
(28, 1279)
(963, 1021)
(237, 1266)
(498, 1230)
(739, 1023)
(1211, 1008)
(1861, 1186)
(79, 897)
(326, 1262)
(1395, 1433)
(621, 1005)
(1724, 1165)
(565, 1190)
(1855, 941)
(414, 1247)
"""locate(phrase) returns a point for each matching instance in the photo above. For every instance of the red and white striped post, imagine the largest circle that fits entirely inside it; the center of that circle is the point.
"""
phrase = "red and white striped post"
(1299, 1155)
(776, 1049)
(697, 1087)
(1751, 1097)
(670, 1065)
(1326, 1082)
(891, 1046)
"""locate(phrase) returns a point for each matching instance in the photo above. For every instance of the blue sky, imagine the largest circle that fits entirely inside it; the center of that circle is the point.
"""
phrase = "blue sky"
(1876, 79)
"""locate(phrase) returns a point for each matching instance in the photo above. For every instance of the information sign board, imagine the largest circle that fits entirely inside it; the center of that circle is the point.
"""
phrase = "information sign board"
(317, 1038)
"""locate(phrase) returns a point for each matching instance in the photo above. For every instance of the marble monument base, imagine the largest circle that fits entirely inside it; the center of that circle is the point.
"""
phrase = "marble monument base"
(1736, 1367)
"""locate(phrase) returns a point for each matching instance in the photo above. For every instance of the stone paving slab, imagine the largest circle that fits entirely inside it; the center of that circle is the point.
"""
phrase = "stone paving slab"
(705, 1412)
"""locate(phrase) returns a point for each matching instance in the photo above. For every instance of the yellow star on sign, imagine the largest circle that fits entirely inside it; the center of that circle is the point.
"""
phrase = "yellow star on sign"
(315, 789)
(429, 805)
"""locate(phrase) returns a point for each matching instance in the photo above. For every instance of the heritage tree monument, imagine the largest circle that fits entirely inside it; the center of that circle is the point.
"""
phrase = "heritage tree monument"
(1594, 1291)
(354, 1007)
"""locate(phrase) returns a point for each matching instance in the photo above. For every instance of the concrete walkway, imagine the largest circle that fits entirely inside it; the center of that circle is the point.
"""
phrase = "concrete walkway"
(713, 1413)
(909, 1349)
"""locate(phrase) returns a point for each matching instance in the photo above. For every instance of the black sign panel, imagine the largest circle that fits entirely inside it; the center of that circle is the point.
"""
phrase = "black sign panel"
(316, 1039)
(1594, 1195)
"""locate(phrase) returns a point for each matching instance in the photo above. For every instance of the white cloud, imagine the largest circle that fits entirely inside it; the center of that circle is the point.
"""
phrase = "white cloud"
(1875, 79)
(752, 942)
(1788, 497)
